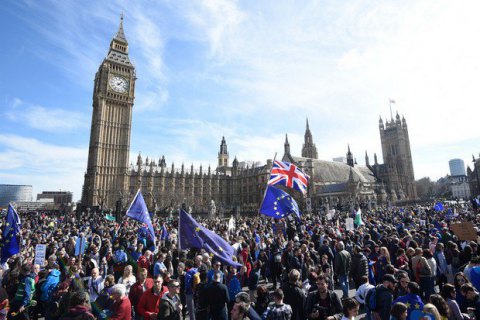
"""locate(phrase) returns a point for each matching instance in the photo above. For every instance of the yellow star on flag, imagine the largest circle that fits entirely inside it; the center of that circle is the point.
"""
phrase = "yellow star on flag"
(408, 305)
(417, 306)
(197, 229)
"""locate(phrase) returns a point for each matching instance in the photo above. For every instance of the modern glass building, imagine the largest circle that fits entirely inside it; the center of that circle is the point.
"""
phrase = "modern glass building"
(15, 193)
(457, 167)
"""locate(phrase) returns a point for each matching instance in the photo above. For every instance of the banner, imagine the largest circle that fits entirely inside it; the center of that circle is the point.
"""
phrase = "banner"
(80, 246)
(349, 224)
(40, 251)
(464, 231)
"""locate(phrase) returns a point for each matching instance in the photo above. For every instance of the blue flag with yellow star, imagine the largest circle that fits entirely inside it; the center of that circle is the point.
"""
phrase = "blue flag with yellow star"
(11, 230)
(412, 301)
(278, 204)
(193, 235)
(138, 211)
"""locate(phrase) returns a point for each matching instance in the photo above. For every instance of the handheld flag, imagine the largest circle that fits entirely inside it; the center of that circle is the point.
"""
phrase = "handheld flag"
(10, 245)
(231, 224)
(288, 175)
(438, 206)
(278, 204)
(164, 235)
(193, 235)
(449, 215)
(109, 217)
(358, 218)
(138, 211)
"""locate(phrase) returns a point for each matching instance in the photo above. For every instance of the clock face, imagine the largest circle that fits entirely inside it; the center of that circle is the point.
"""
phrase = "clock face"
(118, 84)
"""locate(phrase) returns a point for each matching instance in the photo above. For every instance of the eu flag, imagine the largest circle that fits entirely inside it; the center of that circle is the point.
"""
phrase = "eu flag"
(10, 245)
(138, 211)
(278, 204)
(164, 235)
(193, 235)
(438, 206)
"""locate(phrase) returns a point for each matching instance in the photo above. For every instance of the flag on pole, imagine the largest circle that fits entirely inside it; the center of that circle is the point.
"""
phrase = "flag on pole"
(358, 218)
(288, 175)
(392, 101)
(109, 217)
(278, 204)
(138, 211)
(193, 235)
(11, 231)
(231, 224)
(164, 233)
(438, 206)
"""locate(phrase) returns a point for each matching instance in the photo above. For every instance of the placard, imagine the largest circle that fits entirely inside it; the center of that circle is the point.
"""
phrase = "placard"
(80, 246)
(349, 224)
(40, 250)
(464, 230)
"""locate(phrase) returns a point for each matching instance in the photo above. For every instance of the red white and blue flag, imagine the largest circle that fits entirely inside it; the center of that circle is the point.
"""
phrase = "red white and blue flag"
(288, 175)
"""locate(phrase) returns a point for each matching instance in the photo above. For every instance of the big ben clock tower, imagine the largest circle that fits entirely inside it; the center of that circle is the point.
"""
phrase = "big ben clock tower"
(106, 178)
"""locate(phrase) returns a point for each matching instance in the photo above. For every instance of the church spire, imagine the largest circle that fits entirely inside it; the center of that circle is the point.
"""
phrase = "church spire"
(286, 145)
(309, 150)
(350, 161)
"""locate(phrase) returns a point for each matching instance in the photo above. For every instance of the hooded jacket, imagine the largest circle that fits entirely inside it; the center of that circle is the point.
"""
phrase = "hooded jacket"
(49, 285)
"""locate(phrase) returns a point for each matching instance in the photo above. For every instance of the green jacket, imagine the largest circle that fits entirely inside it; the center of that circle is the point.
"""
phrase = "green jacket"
(26, 290)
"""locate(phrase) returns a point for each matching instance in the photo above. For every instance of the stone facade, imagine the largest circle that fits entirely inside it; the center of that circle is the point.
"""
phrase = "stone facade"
(110, 182)
(106, 178)
(474, 177)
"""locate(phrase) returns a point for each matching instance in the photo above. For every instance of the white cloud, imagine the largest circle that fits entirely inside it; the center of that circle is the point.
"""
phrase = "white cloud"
(45, 166)
(52, 120)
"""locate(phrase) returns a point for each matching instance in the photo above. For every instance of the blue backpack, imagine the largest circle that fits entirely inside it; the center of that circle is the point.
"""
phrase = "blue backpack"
(371, 299)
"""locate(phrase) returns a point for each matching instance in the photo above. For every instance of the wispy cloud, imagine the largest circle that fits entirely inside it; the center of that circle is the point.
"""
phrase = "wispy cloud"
(59, 121)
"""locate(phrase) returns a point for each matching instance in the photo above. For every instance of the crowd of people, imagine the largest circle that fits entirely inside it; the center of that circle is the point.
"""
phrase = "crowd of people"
(404, 263)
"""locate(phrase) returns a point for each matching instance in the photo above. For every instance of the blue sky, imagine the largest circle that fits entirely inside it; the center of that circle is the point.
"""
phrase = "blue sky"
(247, 70)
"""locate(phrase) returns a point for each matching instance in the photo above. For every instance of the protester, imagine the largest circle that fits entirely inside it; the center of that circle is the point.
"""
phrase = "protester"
(393, 242)
(121, 308)
(218, 298)
(278, 309)
(399, 311)
(170, 305)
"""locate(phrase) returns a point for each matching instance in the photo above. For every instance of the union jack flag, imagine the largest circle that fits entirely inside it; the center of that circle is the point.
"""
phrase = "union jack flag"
(289, 175)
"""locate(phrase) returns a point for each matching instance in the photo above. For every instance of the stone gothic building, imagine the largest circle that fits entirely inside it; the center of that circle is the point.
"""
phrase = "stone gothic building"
(110, 182)
(335, 184)
(474, 177)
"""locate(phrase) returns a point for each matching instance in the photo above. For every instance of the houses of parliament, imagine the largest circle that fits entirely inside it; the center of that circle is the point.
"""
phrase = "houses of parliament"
(232, 186)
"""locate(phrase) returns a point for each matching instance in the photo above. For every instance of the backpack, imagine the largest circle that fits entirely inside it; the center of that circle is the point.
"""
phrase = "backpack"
(371, 300)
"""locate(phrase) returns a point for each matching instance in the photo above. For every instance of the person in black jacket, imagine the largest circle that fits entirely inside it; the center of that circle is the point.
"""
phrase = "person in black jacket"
(359, 266)
(200, 298)
(170, 305)
(384, 296)
(323, 303)
(294, 295)
(218, 298)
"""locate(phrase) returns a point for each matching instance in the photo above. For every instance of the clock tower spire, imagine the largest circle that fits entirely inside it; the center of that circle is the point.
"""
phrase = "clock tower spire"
(106, 179)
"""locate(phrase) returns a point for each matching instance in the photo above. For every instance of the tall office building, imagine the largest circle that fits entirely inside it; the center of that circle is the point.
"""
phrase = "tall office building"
(457, 167)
